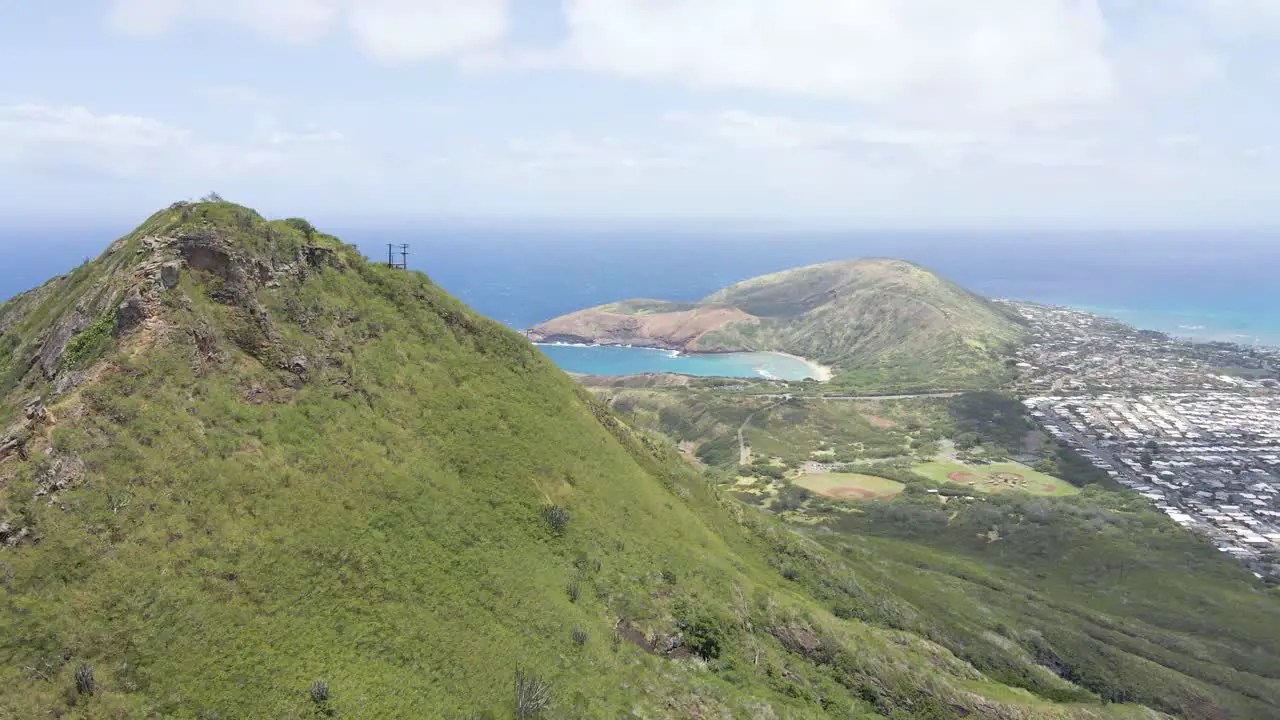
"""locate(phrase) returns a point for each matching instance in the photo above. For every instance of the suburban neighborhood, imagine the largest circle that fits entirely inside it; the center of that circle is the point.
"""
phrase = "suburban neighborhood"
(1192, 427)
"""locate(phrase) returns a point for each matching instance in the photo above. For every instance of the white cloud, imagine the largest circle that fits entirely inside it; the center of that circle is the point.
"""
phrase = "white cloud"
(407, 30)
(74, 140)
(289, 20)
(994, 54)
(391, 31)
(39, 137)
(910, 148)
(1244, 17)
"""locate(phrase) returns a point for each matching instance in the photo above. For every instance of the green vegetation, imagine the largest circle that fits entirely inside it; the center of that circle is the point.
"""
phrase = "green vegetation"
(1097, 588)
(796, 431)
(995, 477)
(850, 485)
(992, 419)
(309, 485)
(1055, 592)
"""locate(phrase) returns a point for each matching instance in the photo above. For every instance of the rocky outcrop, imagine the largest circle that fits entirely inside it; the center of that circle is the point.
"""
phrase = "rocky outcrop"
(130, 314)
(169, 275)
(12, 534)
(62, 471)
(50, 355)
(14, 440)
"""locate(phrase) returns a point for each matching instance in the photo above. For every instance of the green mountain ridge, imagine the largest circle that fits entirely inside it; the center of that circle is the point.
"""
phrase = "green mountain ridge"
(245, 472)
(883, 324)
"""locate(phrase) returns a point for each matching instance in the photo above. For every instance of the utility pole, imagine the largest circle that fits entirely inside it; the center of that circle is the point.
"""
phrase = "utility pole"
(403, 252)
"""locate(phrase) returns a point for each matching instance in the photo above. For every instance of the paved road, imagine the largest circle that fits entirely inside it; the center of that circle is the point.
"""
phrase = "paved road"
(857, 398)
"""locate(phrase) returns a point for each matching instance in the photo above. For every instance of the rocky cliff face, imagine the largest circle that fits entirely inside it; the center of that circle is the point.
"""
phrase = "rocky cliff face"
(677, 329)
(129, 282)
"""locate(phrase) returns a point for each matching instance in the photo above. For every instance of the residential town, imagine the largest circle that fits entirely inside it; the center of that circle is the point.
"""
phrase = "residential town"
(1078, 352)
(1194, 428)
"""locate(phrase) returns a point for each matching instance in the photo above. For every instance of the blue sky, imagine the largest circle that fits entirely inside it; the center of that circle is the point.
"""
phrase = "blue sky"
(858, 113)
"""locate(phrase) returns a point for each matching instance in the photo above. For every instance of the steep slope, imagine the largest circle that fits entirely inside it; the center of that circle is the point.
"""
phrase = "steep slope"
(1100, 586)
(885, 324)
(247, 473)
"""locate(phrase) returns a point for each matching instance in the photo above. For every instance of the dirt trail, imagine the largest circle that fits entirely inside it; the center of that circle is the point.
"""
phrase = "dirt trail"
(744, 451)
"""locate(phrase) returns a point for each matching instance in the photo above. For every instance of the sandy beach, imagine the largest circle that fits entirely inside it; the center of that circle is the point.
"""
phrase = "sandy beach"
(819, 372)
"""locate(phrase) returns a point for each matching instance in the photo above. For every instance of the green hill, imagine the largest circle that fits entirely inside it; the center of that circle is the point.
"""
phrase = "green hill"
(884, 325)
(245, 472)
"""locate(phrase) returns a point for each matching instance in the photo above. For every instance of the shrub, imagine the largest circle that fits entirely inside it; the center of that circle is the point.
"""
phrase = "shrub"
(89, 344)
(302, 226)
(579, 636)
(573, 590)
(556, 518)
(791, 497)
(533, 695)
(85, 684)
(706, 629)
(320, 691)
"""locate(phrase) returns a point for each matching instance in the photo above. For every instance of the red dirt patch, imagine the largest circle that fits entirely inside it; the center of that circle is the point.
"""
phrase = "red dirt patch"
(850, 492)
(878, 422)
(961, 476)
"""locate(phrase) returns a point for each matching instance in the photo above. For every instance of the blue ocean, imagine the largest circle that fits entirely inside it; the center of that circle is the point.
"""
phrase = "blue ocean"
(1204, 285)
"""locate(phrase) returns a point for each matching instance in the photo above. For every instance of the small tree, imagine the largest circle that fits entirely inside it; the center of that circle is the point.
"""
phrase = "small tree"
(212, 197)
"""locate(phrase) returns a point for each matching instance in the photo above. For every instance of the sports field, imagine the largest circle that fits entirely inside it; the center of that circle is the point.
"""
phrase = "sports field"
(996, 477)
(849, 486)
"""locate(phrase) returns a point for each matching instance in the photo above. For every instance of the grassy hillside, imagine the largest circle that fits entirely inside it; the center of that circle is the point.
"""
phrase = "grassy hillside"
(884, 325)
(257, 476)
(1096, 588)
(887, 324)
(253, 475)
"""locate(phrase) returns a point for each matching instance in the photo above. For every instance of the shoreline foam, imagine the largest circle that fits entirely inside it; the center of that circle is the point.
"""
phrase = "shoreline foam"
(821, 372)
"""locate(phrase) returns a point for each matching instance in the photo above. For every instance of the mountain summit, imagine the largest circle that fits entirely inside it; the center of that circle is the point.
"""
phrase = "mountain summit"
(245, 472)
(881, 323)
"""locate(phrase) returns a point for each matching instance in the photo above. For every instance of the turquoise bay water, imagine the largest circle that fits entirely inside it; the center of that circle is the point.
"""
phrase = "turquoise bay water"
(614, 360)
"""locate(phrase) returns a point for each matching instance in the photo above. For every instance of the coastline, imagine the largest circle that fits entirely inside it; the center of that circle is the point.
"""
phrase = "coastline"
(819, 372)
(1203, 331)
(1183, 325)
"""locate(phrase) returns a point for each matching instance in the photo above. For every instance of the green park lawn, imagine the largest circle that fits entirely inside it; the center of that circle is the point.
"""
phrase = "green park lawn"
(996, 477)
(850, 486)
